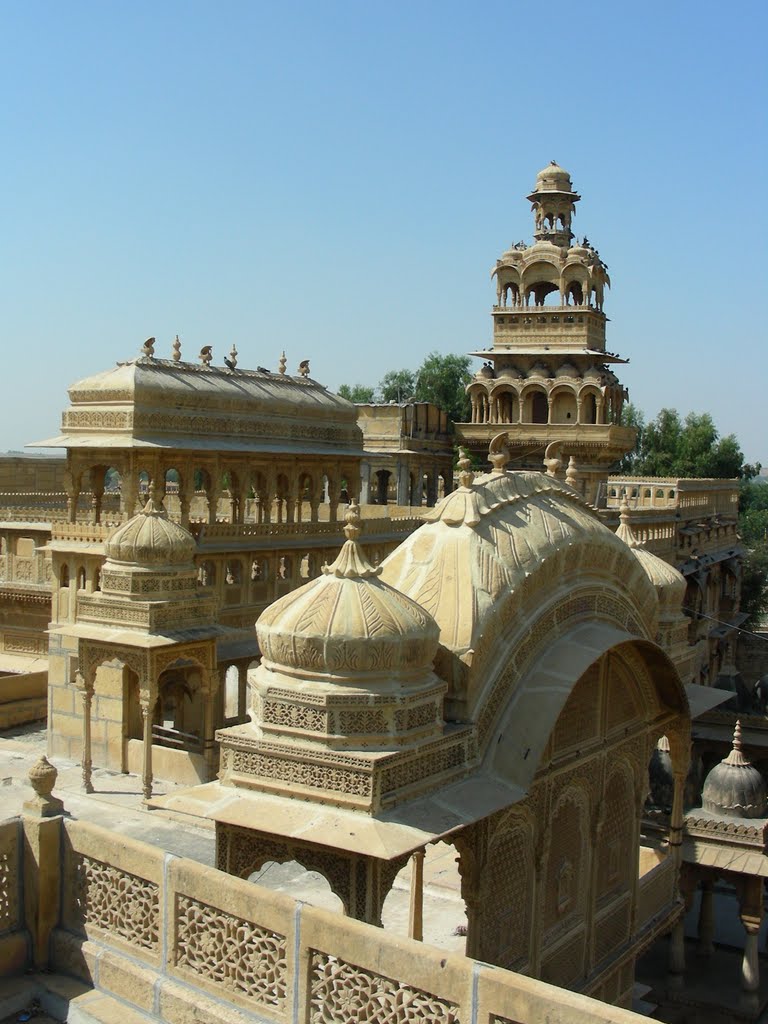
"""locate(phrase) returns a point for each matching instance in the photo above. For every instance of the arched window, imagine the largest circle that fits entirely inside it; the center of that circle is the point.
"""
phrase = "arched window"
(539, 407)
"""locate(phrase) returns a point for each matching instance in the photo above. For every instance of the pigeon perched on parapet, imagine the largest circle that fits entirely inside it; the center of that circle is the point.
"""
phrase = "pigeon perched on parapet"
(263, 369)
(304, 368)
(206, 354)
(229, 364)
(148, 348)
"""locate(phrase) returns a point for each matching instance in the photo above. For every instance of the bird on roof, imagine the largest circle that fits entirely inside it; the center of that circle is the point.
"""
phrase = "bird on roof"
(263, 369)
(228, 362)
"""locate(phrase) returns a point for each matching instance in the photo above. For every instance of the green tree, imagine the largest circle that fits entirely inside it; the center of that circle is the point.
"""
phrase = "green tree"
(754, 585)
(357, 393)
(443, 380)
(397, 386)
(670, 446)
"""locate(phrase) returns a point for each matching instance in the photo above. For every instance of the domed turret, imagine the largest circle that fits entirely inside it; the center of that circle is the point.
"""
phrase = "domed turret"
(361, 650)
(554, 204)
(734, 787)
(151, 539)
(669, 583)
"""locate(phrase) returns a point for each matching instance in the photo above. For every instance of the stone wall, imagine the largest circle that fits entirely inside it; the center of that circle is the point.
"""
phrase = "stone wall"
(182, 942)
(752, 656)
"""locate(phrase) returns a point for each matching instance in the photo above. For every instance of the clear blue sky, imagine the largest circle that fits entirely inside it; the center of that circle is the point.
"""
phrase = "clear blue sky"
(338, 178)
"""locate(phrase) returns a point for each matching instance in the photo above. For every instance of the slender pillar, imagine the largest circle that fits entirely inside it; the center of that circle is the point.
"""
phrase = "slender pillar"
(416, 921)
(750, 891)
(707, 919)
(86, 693)
(750, 965)
(147, 708)
(677, 949)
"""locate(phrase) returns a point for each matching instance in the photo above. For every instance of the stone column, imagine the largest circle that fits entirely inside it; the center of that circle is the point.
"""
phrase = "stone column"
(86, 693)
(416, 918)
(403, 484)
(210, 754)
(41, 822)
(365, 483)
(707, 918)
(147, 700)
(750, 890)
(128, 494)
(677, 951)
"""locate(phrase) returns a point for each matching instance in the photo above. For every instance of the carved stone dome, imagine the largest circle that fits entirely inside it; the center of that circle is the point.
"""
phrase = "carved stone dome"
(734, 787)
(347, 622)
(151, 539)
(661, 777)
(669, 583)
(553, 178)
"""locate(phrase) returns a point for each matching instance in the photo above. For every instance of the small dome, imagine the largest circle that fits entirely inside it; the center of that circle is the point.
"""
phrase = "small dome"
(661, 776)
(567, 370)
(734, 787)
(151, 538)
(553, 178)
(348, 621)
(669, 583)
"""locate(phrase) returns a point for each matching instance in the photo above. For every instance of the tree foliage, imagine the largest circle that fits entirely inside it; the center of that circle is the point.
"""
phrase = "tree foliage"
(357, 393)
(397, 386)
(671, 446)
(440, 379)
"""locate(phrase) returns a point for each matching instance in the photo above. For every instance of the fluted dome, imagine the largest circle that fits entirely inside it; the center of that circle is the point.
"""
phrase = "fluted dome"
(151, 538)
(734, 787)
(669, 583)
(661, 777)
(553, 178)
(347, 621)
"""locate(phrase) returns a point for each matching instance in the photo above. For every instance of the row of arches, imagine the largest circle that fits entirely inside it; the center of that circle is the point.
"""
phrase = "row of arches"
(533, 402)
(544, 283)
(197, 492)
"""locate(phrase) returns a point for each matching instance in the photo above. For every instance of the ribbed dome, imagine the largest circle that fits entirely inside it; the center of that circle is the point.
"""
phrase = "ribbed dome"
(661, 777)
(151, 538)
(347, 622)
(553, 178)
(669, 583)
(734, 787)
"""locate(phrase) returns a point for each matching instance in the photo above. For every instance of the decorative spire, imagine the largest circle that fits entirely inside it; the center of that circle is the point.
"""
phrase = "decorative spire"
(351, 562)
(154, 506)
(625, 531)
(466, 476)
(176, 350)
(552, 461)
(572, 473)
(233, 357)
(498, 453)
(283, 362)
(736, 756)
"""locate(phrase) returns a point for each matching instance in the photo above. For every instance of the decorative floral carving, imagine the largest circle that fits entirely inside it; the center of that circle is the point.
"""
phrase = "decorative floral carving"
(115, 901)
(343, 993)
(9, 887)
(231, 951)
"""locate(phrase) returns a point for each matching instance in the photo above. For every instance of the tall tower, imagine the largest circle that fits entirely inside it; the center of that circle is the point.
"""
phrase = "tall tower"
(547, 380)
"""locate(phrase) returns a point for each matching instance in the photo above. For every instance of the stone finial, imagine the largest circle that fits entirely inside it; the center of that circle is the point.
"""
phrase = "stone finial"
(572, 473)
(206, 355)
(304, 368)
(176, 350)
(552, 462)
(625, 531)
(464, 466)
(498, 455)
(282, 363)
(232, 361)
(737, 756)
(352, 561)
(42, 777)
(148, 348)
